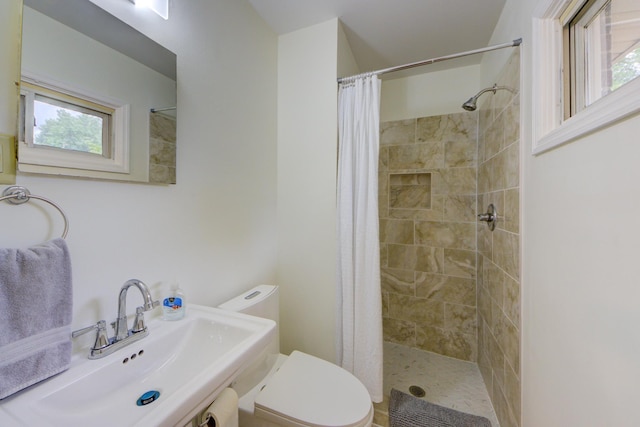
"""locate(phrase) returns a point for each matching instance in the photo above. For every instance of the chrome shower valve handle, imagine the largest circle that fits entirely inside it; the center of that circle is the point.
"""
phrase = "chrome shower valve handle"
(490, 217)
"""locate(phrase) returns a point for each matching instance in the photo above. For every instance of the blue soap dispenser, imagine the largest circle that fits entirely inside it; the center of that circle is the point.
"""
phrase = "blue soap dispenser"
(173, 306)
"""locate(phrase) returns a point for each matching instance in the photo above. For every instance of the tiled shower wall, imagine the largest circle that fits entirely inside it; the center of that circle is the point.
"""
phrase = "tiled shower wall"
(427, 206)
(162, 149)
(437, 261)
(499, 251)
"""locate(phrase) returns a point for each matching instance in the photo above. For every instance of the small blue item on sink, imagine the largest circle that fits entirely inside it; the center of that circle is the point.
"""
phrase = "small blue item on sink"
(148, 397)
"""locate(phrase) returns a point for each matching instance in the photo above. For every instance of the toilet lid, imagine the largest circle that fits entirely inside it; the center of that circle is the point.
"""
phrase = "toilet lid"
(313, 392)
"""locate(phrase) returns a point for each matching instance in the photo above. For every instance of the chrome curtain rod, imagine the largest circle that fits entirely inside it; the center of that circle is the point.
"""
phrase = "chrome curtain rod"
(157, 110)
(514, 43)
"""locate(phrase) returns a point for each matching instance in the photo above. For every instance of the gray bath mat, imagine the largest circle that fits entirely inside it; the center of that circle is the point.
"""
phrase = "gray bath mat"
(408, 411)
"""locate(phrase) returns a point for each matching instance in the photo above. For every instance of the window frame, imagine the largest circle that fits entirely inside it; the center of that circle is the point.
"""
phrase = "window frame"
(551, 126)
(62, 161)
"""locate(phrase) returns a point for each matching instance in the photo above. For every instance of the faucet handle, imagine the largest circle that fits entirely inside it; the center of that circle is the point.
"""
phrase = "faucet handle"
(138, 323)
(102, 339)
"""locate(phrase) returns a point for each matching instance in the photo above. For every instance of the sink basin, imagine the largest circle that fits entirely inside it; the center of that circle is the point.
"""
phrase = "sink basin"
(188, 362)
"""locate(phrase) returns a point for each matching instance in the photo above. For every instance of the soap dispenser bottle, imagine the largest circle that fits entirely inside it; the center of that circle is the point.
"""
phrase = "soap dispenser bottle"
(173, 306)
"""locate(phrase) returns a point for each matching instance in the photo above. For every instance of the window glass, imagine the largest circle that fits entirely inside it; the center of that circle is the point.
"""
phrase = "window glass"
(58, 124)
(65, 128)
(605, 49)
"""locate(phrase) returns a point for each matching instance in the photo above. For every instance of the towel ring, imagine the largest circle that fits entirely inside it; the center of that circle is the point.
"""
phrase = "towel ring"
(18, 195)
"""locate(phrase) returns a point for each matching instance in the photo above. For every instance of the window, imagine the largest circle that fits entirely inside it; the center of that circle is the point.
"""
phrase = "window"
(64, 129)
(65, 122)
(586, 56)
(603, 54)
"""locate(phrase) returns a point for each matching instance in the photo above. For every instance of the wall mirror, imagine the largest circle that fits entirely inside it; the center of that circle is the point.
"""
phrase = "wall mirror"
(98, 98)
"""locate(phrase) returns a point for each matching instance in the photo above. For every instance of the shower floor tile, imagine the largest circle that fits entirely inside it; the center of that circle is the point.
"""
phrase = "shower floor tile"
(446, 381)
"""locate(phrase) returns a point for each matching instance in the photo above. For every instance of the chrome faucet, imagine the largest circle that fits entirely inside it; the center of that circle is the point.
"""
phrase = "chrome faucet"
(122, 330)
(104, 345)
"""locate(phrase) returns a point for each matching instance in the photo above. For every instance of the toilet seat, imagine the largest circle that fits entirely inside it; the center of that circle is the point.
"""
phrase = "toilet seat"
(311, 392)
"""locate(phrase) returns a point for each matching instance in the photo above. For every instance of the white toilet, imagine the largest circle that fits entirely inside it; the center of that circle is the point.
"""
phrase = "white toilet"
(297, 390)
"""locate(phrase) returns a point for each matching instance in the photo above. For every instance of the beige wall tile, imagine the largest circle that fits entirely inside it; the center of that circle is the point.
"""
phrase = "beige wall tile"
(484, 306)
(383, 194)
(385, 304)
(162, 127)
(398, 281)
(160, 174)
(459, 208)
(429, 260)
(485, 114)
(455, 181)
(493, 139)
(440, 287)
(460, 318)
(384, 255)
(496, 357)
(426, 155)
(511, 345)
(512, 392)
(501, 405)
(485, 240)
(401, 256)
(399, 331)
(511, 211)
(410, 196)
(418, 258)
(493, 279)
(512, 300)
(460, 153)
(506, 252)
(510, 120)
(398, 132)
(511, 165)
(162, 152)
(452, 344)
(396, 231)
(446, 235)
(450, 127)
(460, 263)
(418, 310)
(497, 325)
(479, 271)
(383, 159)
(485, 369)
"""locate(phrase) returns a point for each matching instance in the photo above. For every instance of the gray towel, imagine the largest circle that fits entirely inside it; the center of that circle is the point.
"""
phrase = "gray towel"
(409, 411)
(35, 314)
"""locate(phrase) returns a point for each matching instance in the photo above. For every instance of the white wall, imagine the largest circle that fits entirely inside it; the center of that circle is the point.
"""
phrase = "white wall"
(428, 94)
(307, 153)
(215, 231)
(580, 299)
(10, 23)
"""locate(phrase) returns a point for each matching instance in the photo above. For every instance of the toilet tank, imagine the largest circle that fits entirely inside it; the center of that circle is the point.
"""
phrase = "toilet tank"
(261, 301)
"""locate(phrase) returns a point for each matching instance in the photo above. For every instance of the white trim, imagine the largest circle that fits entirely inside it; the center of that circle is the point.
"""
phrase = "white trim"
(118, 162)
(549, 128)
(47, 81)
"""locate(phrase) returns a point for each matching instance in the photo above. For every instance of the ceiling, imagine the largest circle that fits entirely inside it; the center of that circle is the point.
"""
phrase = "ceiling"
(386, 33)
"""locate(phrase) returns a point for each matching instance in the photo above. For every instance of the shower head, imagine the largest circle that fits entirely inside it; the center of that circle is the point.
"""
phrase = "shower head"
(470, 105)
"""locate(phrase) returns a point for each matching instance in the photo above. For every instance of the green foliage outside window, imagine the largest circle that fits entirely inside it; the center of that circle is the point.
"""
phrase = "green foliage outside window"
(627, 69)
(80, 132)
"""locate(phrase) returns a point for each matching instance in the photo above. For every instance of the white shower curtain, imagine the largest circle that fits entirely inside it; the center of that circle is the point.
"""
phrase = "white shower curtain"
(359, 317)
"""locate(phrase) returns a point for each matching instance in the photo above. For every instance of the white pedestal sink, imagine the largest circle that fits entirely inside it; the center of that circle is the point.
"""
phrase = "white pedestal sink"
(188, 362)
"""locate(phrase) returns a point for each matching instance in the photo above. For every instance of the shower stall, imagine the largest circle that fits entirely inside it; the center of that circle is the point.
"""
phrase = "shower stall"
(451, 284)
